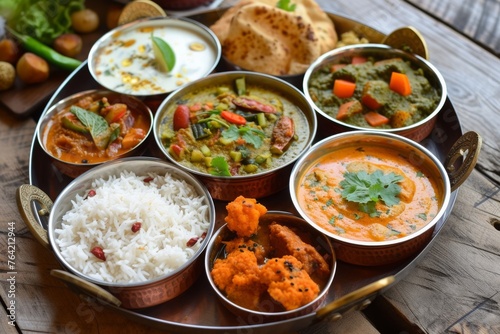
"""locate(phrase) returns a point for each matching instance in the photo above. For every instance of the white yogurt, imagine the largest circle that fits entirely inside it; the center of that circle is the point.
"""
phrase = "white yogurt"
(123, 60)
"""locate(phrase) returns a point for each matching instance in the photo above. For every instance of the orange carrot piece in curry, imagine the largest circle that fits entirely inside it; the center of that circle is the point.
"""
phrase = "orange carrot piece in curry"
(400, 83)
(343, 88)
(358, 60)
(375, 119)
(349, 108)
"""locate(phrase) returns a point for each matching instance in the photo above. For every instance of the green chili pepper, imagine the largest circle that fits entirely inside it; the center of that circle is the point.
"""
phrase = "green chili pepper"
(47, 53)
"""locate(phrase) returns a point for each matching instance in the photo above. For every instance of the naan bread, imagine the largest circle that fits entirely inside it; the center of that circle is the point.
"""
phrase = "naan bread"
(256, 35)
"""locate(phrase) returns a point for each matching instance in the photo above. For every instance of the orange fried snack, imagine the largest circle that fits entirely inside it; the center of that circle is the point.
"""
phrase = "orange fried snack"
(238, 276)
(288, 283)
(286, 242)
(243, 243)
(243, 216)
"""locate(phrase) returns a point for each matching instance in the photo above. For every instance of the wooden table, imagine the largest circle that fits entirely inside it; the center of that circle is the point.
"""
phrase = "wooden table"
(455, 288)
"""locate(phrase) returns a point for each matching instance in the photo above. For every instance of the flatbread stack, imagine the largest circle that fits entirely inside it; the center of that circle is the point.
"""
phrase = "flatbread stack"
(258, 36)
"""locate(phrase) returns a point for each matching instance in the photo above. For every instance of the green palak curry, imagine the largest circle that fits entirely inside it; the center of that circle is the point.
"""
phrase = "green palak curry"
(373, 93)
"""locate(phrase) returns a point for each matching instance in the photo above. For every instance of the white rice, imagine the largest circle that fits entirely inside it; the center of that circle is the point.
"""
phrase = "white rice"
(169, 209)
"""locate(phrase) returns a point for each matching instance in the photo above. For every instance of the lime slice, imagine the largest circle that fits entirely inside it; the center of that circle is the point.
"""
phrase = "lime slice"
(164, 55)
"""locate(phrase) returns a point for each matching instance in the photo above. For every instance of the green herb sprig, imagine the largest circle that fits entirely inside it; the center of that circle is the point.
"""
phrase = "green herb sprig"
(367, 189)
(251, 135)
(219, 167)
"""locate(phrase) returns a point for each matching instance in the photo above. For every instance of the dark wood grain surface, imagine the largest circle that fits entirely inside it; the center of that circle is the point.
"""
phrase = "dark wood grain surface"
(455, 288)
(477, 20)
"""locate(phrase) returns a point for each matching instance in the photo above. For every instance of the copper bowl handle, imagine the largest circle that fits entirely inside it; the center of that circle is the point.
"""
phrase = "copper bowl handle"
(89, 288)
(27, 194)
(466, 147)
(408, 39)
(355, 300)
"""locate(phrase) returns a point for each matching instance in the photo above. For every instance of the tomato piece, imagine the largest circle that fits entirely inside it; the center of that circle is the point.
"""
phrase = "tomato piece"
(181, 117)
(177, 151)
(115, 112)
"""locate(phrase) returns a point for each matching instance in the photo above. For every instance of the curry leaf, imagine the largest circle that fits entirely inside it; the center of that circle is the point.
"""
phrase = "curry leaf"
(367, 189)
(97, 125)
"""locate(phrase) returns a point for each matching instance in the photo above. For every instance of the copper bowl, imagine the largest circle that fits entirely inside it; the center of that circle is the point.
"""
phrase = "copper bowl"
(216, 247)
(371, 253)
(255, 185)
(330, 125)
(74, 169)
(140, 294)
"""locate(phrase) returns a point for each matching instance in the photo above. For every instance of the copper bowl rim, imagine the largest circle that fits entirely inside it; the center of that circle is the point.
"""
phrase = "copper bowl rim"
(70, 100)
(350, 50)
(269, 315)
(207, 81)
(81, 183)
(309, 157)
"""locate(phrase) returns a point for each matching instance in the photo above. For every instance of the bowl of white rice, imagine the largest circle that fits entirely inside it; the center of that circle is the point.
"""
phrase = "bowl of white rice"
(134, 227)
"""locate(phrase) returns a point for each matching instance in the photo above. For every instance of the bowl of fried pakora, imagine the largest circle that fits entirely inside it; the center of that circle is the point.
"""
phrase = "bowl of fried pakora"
(268, 265)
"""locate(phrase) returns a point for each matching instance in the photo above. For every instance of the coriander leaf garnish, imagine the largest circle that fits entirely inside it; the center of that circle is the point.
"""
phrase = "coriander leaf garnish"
(219, 167)
(251, 135)
(97, 125)
(367, 189)
(286, 5)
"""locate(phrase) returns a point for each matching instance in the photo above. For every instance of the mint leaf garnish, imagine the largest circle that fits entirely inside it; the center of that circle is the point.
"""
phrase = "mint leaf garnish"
(97, 125)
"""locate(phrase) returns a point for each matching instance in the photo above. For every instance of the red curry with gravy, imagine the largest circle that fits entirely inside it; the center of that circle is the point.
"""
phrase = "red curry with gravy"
(94, 130)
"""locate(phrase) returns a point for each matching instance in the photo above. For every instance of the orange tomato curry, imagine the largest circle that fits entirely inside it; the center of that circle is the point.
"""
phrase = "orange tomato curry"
(98, 132)
(413, 196)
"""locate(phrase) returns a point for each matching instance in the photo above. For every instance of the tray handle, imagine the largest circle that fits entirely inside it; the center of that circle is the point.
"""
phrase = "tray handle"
(89, 288)
(468, 147)
(27, 194)
(355, 300)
